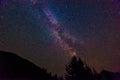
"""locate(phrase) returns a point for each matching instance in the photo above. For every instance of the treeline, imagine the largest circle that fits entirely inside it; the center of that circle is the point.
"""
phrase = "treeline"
(78, 70)
(13, 67)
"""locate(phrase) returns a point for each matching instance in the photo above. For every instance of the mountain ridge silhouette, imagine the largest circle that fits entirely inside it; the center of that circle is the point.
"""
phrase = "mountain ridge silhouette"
(14, 67)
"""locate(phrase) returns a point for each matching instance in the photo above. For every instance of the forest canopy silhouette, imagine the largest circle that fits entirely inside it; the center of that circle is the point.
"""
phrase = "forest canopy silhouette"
(13, 67)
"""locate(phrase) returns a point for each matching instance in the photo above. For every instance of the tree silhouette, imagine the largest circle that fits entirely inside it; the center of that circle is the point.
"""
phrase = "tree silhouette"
(77, 70)
(13, 67)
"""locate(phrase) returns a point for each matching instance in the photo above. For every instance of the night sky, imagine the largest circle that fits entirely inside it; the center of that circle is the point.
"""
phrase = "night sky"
(50, 32)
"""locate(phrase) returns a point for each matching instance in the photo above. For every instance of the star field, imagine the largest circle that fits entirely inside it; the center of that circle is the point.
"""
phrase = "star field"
(48, 33)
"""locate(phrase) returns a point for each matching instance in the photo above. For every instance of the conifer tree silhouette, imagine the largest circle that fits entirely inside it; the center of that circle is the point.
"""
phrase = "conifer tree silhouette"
(77, 70)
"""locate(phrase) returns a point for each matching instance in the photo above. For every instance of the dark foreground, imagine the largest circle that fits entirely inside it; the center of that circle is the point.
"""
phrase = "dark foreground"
(13, 67)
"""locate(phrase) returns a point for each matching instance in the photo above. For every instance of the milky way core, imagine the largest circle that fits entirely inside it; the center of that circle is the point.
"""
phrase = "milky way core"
(50, 32)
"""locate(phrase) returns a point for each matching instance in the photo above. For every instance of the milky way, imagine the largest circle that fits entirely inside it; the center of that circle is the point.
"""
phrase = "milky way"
(49, 32)
(62, 37)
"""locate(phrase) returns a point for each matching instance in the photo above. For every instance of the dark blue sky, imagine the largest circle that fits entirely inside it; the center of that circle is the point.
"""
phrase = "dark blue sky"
(25, 30)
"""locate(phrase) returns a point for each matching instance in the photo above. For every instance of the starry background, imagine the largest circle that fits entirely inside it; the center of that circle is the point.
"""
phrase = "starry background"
(26, 30)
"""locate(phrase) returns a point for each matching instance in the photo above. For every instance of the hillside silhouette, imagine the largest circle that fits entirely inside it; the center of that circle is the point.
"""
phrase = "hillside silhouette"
(78, 70)
(107, 75)
(13, 67)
